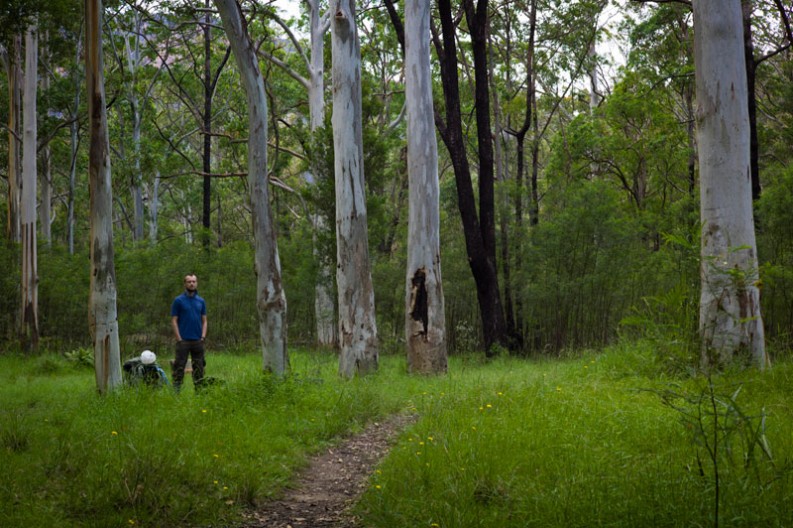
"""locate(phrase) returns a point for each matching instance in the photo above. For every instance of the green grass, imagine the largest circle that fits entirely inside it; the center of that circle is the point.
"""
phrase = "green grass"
(580, 442)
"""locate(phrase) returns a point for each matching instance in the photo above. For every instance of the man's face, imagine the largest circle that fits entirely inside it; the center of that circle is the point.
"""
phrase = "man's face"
(191, 283)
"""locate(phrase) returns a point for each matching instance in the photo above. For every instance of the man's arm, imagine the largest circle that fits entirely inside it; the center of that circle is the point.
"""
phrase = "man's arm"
(203, 327)
(175, 325)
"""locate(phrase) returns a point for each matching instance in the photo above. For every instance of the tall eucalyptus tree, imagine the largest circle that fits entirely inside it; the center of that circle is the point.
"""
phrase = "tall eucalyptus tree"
(357, 325)
(730, 322)
(28, 212)
(102, 310)
(425, 319)
(314, 84)
(270, 298)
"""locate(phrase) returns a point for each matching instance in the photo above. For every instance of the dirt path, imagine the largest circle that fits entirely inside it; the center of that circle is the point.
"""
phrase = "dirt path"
(332, 482)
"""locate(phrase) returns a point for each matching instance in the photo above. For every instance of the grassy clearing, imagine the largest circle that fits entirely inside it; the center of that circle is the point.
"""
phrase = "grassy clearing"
(584, 442)
(588, 443)
(153, 458)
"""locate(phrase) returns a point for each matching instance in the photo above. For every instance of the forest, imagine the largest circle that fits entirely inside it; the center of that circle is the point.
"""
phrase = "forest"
(581, 199)
(501, 193)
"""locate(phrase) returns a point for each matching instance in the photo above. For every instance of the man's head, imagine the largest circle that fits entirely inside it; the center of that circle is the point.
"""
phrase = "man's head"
(190, 282)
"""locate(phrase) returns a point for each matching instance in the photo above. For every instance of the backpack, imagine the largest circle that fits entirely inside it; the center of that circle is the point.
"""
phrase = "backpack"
(138, 373)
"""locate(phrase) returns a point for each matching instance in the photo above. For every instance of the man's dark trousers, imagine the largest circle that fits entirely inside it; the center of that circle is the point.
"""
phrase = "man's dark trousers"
(194, 349)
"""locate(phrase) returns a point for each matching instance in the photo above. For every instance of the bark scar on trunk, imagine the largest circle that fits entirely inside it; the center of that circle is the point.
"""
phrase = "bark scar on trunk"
(418, 297)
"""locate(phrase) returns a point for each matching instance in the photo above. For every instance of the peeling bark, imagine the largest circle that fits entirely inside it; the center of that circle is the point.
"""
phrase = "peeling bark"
(102, 311)
(425, 319)
(357, 326)
(30, 312)
(324, 307)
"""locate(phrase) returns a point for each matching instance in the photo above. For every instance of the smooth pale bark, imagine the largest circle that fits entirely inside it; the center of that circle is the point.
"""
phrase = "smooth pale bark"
(730, 322)
(270, 298)
(324, 307)
(425, 320)
(357, 327)
(594, 96)
(137, 105)
(132, 48)
(29, 279)
(187, 219)
(15, 79)
(102, 311)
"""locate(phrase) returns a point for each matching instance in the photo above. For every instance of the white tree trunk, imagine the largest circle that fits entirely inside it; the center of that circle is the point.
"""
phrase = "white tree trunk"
(270, 298)
(594, 96)
(425, 320)
(137, 176)
(187, 221)
(29, 279)
(102, 312)
(730, 322)
(357, 326)
(324, 307)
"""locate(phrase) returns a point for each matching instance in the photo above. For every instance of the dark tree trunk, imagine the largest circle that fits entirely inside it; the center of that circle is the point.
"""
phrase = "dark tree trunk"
(207, 194)
(751, 67)
(480, 236)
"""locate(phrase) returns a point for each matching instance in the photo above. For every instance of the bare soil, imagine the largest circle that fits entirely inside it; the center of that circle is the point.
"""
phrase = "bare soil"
(324, 491)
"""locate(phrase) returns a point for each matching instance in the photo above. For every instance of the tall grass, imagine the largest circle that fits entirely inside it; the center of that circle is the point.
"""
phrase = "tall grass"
(150, 457)
(581, 442)
(585, 443)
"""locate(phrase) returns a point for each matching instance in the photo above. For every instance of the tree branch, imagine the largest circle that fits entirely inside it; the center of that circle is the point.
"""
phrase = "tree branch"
(293, 38)
(285, 67)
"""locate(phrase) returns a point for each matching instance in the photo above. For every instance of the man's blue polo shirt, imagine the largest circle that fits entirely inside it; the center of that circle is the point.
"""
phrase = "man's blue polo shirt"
(188, 310)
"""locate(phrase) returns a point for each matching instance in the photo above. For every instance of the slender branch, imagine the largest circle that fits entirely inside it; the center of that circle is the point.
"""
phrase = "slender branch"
(397, 23)
(772, 54)
(398, 119)
(173, 145)
(785, 19)
(285, 67)
(219, 70)
(292, 37)
(788, 34)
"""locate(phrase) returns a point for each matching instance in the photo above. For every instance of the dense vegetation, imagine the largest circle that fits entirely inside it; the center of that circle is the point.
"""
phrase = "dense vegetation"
(598, 227)
(600, 440)
(595, 414)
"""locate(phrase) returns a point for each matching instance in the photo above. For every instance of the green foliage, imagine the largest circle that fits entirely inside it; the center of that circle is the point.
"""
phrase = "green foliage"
(509, 442)
(668, 320)
(82, 357)
(10, 296)
(729, 440)
(576, 444)
(571, 293)
(157, 459)
(775, 250)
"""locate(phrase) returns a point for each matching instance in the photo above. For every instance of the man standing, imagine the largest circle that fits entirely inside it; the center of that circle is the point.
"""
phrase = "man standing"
(189, 322)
